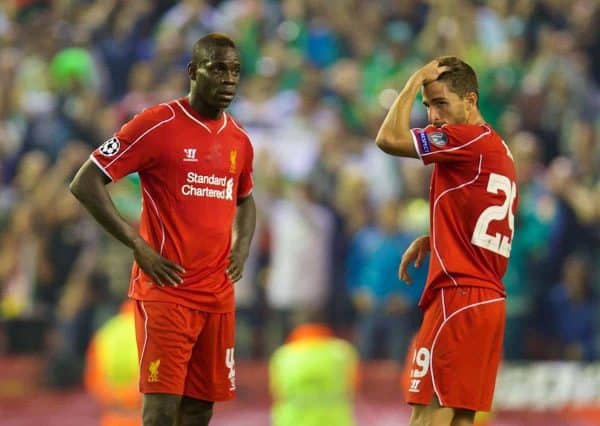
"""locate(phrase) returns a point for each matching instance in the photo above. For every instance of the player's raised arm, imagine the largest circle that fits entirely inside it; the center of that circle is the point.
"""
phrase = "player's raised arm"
(89, 187)
(394, 136)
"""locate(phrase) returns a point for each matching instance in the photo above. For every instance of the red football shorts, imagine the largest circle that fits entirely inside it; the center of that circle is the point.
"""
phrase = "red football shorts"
(183, 351)
(457, 350)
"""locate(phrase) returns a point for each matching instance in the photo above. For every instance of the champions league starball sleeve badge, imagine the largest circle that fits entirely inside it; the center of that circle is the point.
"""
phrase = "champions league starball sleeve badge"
(110, 147)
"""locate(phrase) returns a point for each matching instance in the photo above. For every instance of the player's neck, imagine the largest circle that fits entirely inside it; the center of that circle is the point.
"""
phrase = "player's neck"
(475, 119)
(204, 110)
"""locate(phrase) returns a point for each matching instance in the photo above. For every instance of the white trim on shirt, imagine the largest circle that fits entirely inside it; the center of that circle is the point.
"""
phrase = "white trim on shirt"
(435, 203)
(162, 226)
(455, 148)
(192, 117)
(224, 123)
(100, 166)
(139, 138)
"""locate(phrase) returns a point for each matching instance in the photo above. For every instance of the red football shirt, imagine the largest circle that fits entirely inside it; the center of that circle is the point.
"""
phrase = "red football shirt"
(192, 172)
(473, 199)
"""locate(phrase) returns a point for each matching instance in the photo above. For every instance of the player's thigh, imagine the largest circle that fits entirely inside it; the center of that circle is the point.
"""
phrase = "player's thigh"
(211, 371)
(194, 412)
(165, 334)
(160, 409)
(456, 352)
(463, 418)
(466, 352)
(435, 415)
(417, 378)
(432, 414)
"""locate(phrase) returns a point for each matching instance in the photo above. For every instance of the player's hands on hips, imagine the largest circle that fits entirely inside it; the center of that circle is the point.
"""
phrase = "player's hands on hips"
(237, 258)
(162, 271)
(417, 252)
(430, 72)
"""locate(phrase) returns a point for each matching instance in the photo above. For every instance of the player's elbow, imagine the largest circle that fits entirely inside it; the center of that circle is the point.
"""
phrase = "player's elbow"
(384, 144)
(389, 146)
(82, 185)
(76, 188)
(88, 181)
(401, 146)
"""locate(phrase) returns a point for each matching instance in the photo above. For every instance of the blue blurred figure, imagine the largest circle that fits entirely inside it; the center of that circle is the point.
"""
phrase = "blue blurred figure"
(571, 309)
(386, 307)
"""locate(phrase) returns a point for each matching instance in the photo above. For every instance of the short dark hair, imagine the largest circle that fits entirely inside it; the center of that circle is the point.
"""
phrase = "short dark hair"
(209, 42)
(461, 78)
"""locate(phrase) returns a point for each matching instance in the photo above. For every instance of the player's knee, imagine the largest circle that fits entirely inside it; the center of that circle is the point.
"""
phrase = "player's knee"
(160, 409)
(420, 416)
(195, 412)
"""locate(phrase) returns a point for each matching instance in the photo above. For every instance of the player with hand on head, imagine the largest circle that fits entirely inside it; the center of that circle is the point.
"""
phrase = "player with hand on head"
(473, 197)
(198, 217)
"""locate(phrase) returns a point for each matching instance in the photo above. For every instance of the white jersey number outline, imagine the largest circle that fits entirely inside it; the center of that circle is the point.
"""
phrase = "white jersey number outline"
(499, 244)
(421, 359)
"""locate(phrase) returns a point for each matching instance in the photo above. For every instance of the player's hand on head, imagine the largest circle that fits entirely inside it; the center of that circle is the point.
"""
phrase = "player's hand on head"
(432, 71)
(161, 270)
(416, 252)
(236, 265)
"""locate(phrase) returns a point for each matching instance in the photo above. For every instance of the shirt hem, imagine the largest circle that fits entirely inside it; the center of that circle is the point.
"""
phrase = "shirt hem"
(428, 293)
(196, 306)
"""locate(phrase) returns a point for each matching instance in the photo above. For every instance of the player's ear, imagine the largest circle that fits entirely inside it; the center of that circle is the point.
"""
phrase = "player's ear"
(470, 101)
(191, 70)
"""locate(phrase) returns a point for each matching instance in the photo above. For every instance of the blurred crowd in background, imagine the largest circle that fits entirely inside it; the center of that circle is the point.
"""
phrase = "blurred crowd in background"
(334, 213)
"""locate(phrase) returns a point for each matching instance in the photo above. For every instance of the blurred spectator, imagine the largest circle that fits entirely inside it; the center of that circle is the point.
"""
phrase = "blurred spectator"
(571, 309)
(313, 379)
(247, 292)
(111, 376)
(300, 265)
(538, 223)
(122, 41)
(387, 308)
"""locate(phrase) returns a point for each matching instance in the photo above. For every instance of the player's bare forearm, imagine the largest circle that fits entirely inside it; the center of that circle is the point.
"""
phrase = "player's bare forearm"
(89, 187)
(244, 225)
(394, 135)
(243, 230)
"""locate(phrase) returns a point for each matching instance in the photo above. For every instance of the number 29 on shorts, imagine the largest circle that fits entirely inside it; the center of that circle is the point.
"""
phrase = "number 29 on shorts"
(420, 368)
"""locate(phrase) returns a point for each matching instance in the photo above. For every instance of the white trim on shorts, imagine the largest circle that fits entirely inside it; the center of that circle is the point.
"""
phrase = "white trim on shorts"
(435, 390)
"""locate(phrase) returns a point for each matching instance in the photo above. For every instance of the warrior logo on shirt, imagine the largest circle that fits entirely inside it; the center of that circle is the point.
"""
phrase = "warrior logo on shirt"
(110, 147)
(190, 154)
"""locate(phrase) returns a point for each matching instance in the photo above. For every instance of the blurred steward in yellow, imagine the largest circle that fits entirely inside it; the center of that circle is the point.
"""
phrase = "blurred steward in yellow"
(112, 370)
(313, 379)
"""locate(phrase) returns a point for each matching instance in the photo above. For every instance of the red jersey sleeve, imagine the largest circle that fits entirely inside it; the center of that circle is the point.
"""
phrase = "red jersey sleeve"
(133, 148)
(449, 143)
(246, 182)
